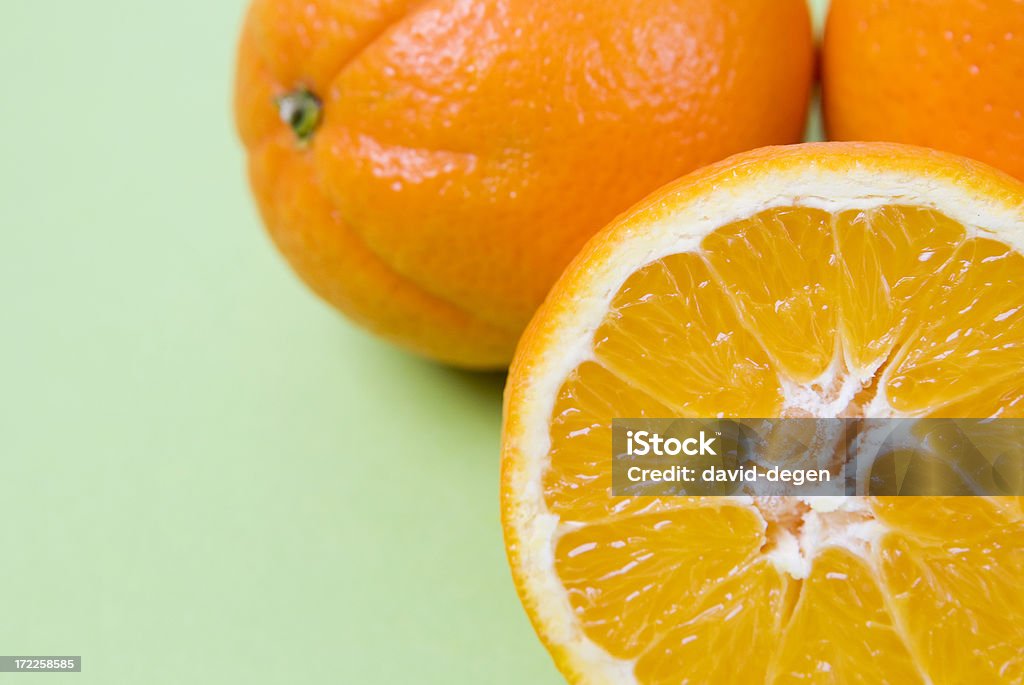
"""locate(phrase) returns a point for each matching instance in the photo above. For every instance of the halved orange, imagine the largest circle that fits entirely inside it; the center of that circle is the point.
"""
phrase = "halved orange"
(815, 280)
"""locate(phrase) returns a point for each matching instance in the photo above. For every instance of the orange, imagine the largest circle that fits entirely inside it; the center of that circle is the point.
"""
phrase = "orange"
(831, 279)
(430, 167)
(945, 74)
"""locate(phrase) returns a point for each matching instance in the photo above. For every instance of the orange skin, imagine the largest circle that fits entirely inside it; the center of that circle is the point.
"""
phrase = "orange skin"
(945, 74)
(467, 149)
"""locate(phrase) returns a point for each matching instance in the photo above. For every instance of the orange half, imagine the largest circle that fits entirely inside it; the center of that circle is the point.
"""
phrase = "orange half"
(815, 280)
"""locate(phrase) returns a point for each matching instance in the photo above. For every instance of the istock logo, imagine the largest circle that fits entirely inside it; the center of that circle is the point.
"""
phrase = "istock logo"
(640, 443)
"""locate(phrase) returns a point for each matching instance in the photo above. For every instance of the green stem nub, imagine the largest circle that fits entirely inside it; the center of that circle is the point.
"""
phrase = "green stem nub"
(301, 110)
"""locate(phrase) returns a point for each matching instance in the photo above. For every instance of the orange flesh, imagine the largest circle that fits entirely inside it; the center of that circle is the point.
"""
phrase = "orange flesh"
(904, 300)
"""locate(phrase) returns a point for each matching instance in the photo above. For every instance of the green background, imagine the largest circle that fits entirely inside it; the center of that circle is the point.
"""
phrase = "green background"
(205, 474)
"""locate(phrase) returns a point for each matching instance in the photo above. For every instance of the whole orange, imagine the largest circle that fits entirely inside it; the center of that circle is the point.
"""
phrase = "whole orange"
(430, 167)
(946, 74)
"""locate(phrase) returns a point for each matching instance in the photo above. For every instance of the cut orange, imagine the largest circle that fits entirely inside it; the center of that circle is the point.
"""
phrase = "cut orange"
(816, 280)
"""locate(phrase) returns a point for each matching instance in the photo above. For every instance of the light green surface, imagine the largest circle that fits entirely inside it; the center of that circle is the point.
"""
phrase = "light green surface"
(206, 475)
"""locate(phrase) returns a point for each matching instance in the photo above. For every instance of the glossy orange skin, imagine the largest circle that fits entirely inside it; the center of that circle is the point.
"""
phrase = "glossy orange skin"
(468, 148)
(946, 74)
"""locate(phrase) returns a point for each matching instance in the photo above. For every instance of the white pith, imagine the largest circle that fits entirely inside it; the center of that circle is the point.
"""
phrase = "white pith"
(825, 521)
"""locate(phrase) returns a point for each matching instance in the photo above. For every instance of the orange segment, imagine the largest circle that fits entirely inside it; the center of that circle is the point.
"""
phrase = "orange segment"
(962, 604)
(628, 580)
(971, 332)
(843, 591)
(577, 484)
(792, 310)
(1004, 399)
(937, 518)
(742, 616)
(888, 257)
(724, 369)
